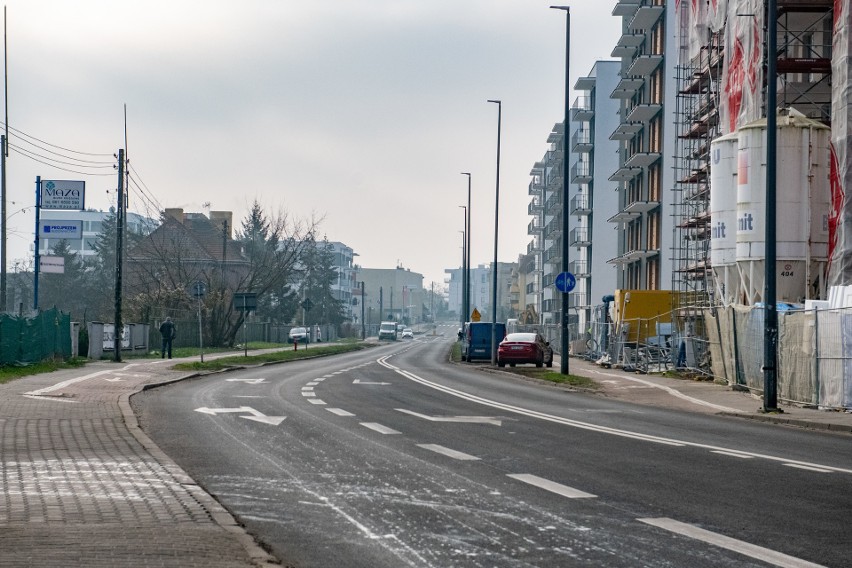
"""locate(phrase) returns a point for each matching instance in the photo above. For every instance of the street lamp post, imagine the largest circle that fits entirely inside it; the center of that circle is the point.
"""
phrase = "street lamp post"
(563, 365)
(466, 276)
(465, 253)
(770, 341)
(496, 223)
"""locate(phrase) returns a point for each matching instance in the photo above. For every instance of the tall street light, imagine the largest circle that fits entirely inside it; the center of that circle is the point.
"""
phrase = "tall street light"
(466, 276)
(563, 344)
(496, 223)
(464, 263)
(770, 341)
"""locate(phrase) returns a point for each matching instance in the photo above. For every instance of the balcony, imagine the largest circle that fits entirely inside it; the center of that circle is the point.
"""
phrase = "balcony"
(579, 237)
(626, 131)
(625, 8)
(642, 159)
(577, 300)
(627, 87)
(640, 207)
(580, 205)
(627, 45)
(585, 83)
(581, 172)
(534, 227)
(533, 246)
(535, 186)
(582, 109)
(623, 217)
(644, 65)
(581, 141)
(535, 206)
(644, 112)
(633, 256)
(645, 17)
(625, 174)
(580, 269)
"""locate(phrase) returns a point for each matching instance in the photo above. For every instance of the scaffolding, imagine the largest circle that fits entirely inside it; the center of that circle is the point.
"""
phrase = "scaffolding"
(804, 74)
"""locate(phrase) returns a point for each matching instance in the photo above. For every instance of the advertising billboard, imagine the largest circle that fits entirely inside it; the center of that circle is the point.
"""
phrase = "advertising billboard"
(63, 194)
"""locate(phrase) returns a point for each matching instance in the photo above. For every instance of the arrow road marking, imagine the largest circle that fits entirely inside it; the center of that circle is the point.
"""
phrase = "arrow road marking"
(247, 381)
(462, 419)
(256, 415)
(360, 382)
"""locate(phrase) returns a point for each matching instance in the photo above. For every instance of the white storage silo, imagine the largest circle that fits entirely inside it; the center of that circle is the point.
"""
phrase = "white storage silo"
(802, 206)
(723, 217)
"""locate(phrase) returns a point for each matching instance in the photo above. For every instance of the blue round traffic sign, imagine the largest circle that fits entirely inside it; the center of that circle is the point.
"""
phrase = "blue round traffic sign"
(565, 281)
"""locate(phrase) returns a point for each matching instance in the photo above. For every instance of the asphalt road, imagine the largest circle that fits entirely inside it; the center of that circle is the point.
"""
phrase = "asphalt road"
(392, 457)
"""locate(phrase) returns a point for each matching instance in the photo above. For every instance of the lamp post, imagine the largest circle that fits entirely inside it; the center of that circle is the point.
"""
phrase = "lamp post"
(496, 223)
(466, 275)
(462, 308)
(770, 341)
(563, 343)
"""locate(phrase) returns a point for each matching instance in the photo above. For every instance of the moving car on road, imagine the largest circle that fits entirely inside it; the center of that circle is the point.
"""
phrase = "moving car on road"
(524, 348)
(387, 330)
(408, 333)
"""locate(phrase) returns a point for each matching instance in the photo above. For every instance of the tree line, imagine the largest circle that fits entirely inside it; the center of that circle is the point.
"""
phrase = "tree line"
(272, 255)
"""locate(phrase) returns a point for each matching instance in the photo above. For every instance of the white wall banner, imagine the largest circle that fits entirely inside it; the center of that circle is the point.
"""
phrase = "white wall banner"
(63, 194)
(60, 229)
(51, 264)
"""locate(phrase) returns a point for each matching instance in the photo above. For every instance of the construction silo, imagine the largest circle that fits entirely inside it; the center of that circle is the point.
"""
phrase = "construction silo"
(723, 217)
(802, 197)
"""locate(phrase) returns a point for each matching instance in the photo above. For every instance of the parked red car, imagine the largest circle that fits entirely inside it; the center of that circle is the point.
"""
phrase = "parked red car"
(524, 348)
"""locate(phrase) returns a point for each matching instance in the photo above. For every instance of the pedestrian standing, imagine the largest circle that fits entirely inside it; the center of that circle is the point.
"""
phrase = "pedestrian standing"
(168, 330)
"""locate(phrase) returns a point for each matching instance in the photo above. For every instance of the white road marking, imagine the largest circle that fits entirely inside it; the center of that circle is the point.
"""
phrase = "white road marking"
(744, 548)
(316, 401)
(312, 384)
(379, 428)
(114, 380)
(247, 381)
(340, 412)
(255, 415)
(672, 392)
(308, 393)
(588, 426)
(733, 454)
(551, 486)
(456, 455)
(319, 380)
(808, 467)
(461, 419)
(360, 382)
(307, 388)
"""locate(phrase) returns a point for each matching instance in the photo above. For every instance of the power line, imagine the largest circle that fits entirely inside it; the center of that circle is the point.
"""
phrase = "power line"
(25, 154)
(105, 165)
(24, 134)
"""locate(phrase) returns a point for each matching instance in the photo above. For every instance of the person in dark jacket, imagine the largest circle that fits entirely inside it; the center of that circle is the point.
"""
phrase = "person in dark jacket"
(168, 331)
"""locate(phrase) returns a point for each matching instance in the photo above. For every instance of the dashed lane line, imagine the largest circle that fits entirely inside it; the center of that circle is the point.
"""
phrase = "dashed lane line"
(551, 486)
(456, 455)
(751, 550)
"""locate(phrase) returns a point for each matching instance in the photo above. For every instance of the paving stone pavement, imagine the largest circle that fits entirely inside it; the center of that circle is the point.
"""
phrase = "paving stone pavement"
(84, 486)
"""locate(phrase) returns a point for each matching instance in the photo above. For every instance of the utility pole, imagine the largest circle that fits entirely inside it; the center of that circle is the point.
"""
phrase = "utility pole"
(363, 323)
(119, 258)
(381, 305)
(3, 260)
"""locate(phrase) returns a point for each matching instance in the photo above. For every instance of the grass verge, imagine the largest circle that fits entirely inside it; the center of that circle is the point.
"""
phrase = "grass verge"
(274, 357)
(554, 377)
(12, 372)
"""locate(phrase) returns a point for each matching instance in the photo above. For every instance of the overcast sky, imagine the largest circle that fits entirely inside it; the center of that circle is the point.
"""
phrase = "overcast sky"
(359, 112)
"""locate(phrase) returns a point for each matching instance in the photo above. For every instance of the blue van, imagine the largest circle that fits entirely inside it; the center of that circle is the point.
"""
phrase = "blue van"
(476, 340)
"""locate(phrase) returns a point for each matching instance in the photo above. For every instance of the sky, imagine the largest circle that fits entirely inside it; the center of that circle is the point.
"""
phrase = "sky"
(358, 114)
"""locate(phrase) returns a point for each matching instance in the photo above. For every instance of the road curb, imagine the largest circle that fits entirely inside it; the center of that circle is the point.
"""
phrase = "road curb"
(257, 554)
(795, 422)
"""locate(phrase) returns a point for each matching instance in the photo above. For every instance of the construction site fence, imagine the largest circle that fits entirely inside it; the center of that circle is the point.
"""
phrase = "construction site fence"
(25, 340)
(814, 353)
